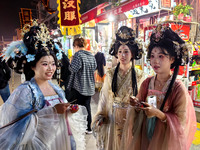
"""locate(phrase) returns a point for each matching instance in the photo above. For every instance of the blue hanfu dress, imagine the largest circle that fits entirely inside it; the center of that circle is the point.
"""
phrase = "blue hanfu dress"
(43, 130)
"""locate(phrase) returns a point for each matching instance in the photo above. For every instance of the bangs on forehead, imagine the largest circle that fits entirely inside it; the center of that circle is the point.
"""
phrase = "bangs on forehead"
(125, 47)
(162, 50)
(47, 58)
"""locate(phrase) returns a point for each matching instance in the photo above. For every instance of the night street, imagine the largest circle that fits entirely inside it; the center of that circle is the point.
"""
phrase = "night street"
(143, 56)
(90, 140)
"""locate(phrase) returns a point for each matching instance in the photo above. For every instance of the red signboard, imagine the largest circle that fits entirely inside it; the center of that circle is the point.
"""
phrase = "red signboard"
(121, 9)
(69, 17)
(88, 44)
(182, 30)
(69, 13)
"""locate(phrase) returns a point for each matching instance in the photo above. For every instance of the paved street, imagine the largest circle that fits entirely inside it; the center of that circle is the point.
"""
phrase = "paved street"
(90, 140)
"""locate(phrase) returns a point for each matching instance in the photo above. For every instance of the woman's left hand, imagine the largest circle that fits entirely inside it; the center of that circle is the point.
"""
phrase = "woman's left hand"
(74, 108)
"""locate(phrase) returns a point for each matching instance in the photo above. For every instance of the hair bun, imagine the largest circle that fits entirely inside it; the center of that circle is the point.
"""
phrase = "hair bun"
(126, 36)
(162, 34)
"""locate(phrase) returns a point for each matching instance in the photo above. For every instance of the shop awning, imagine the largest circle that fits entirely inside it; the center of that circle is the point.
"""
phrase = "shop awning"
(121, 9)
(91, 14)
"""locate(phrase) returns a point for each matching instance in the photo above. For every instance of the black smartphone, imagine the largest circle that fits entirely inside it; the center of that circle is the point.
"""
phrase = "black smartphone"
(142, 104)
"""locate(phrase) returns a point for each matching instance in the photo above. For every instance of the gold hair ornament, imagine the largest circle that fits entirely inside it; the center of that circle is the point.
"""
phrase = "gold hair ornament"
(27, 27)
(181, 50)
(126, 35)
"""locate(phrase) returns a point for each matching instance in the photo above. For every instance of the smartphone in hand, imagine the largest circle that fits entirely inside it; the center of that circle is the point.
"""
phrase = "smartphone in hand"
(142, 104)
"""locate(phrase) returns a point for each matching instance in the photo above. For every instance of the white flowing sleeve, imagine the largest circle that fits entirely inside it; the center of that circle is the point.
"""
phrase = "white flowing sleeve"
(41, 129)
(34, 131)
(103, 112)
(78, 125)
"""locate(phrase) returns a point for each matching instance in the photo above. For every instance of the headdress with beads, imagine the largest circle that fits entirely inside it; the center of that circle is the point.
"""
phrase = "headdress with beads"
(126, 36)
(40, 35)
(165, 33)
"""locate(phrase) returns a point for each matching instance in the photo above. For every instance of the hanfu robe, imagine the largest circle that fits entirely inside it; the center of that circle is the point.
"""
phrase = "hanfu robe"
(112, 109)
(43, 130)
(177, 132)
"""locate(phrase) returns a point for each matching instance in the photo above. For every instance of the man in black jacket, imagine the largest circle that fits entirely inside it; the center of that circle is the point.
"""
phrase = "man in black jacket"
(5, 75)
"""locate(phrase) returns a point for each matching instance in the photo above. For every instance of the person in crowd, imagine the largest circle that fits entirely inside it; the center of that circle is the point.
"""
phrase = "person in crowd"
(63, 72)
(5, 75)
(37, 115)
(162, 116)
(82, 83)
(120, 83)
(100, 73)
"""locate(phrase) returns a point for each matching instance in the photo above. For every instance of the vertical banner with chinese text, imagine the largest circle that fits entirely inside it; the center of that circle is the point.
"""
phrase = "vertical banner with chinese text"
(69, 16)
(25, 16)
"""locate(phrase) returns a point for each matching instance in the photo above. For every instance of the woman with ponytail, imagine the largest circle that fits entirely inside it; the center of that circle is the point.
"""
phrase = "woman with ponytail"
(120, 83)
(164, 114)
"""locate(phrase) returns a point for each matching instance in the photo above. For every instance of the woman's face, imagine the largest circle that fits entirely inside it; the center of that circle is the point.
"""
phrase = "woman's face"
(45, 68)
(124, 54)
(160, 62)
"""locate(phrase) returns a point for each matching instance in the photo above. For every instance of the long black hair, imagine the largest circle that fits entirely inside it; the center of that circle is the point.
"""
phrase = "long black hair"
(101, 62)
(126, 36)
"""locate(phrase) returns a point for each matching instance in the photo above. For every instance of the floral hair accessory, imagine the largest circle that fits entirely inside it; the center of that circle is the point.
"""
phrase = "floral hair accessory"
(158, 33)
(30, 57)
(59, 54)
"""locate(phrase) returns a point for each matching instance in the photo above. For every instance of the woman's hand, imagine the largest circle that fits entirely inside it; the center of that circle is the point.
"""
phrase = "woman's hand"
(61, 107)
(100, 122)
(151, 111)
(134, 101)
(74, 108)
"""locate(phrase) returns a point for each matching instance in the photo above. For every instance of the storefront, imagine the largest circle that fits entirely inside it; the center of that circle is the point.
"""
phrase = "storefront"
(100, 28)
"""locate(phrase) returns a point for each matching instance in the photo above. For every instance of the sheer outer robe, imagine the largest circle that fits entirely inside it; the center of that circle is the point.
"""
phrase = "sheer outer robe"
(36, 131)
(106, 133)
(176, 133)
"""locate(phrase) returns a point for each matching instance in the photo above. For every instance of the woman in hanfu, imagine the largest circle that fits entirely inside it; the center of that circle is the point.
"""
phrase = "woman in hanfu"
(163, 116)
(52, 126)
(120, 83)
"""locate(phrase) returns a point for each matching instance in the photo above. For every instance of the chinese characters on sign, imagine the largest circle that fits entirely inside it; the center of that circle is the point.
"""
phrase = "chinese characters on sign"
(122, 9)
(69, 16)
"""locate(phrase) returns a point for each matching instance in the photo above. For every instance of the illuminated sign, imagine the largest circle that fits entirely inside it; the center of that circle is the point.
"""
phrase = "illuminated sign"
(69, 16)
(146, 9)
